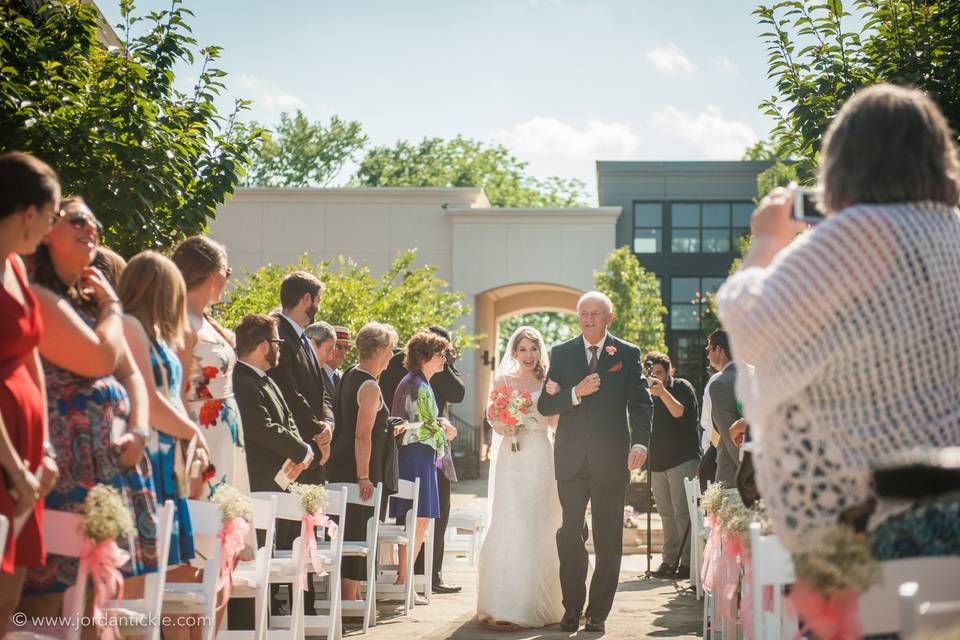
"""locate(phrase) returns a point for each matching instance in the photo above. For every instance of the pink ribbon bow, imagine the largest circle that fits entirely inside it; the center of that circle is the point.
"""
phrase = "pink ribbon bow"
(102, 561)
(231, 536)
(830, 617)
(308, 525)
(708, 572)
(728, 577)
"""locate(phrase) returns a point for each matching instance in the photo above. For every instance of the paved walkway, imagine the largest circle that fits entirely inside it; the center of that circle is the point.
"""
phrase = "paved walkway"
(642, 608)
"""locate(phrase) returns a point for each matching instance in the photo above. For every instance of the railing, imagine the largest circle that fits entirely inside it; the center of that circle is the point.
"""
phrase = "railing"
(466, 448)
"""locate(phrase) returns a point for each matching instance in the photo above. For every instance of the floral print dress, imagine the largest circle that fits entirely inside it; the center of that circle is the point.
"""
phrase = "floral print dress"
(211, 404)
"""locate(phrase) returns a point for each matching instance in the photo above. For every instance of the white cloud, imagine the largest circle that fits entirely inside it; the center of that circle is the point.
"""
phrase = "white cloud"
(552, 137)
(670, 60)
(267, 97)
(725, 64)
(707, 132)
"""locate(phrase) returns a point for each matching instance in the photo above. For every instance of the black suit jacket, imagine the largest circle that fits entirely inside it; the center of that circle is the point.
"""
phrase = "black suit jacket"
(269, 433)
(599, 431)
(302, 388)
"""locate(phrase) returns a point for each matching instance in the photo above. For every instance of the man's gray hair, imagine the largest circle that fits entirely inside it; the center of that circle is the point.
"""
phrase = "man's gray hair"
(320, 332)
(596, 296)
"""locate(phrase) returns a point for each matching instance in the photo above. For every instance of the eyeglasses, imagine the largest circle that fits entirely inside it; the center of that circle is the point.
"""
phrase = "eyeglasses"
(275, 340)
(79, 221)
(55, 216)
(227, 273)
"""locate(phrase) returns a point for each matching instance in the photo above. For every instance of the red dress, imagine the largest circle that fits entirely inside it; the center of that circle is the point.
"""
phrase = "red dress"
(22, 409)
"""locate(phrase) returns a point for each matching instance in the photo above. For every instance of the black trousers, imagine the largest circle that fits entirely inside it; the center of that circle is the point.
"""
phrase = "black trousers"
(606, 502)
(440, 526)
(708, 467)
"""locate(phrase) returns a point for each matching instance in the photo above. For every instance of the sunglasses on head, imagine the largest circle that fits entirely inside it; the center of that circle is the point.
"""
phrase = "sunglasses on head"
(79, 221)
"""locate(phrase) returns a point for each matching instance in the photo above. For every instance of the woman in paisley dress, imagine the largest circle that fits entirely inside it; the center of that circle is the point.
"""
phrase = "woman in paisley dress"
(208, 357)
(154, 299)
(96, 400)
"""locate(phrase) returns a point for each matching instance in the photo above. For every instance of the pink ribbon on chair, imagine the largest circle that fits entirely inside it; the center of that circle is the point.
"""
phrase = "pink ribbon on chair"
(833, 617)
(746, 598)
(708, 572)
(102, 561)
(728, 577)
(231, 536)
(308, 525)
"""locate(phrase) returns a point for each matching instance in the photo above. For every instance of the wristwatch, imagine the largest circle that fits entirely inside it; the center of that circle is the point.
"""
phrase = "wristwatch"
(141, 431)
(49, 450)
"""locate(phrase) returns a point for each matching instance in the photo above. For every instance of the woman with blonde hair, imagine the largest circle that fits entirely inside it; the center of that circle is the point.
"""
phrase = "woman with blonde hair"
(852, 328)
(154, 300)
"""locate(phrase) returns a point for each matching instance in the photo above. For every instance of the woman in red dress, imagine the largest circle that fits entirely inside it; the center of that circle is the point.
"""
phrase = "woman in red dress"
(29, 204)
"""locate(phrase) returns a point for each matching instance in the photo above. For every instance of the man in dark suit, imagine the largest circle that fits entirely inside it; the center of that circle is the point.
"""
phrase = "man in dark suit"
(723, 401)
(298, 374)
(270, 436)
(323, 341)
(448, 388)
(605, 418)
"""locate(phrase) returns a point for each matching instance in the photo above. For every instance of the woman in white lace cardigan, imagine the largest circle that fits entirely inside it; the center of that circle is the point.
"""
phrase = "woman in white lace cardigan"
(852, 328)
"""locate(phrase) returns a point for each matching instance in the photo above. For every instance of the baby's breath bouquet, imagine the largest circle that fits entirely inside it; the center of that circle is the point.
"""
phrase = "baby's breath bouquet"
(232, 503)
(733, 518)
(107, 517)
(313, 497)
(713, 498)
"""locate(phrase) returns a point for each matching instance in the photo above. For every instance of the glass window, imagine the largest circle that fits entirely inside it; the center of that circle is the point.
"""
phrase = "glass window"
(646, 240)
(686, 215)
(741, 213)
(685, 316)
(710, 285)
(716, 240)
(647, 214)
(716, 214)
(685, 241)
(684, 290)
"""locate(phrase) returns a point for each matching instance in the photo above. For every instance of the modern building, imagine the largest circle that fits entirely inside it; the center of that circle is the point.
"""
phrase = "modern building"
(684, 221)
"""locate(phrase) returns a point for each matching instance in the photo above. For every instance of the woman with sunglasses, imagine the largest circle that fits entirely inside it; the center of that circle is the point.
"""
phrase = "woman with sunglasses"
(29, 199)
(97, 402)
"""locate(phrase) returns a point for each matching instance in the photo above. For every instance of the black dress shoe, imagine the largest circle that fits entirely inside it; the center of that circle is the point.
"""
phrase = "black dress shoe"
(443, 587)
(666, 570)
(683, 573)
(571, 620)
(594, 625)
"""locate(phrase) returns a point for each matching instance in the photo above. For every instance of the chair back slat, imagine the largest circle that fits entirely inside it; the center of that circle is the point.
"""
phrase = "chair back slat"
(63, 533)
(205, 519)
(936, 578)
(264, 512)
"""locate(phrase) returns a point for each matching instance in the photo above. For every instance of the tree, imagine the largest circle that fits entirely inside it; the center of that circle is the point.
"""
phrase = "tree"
(635, 293)
(304, 154)
(462, 162)
(407, 297)
(152, 161)
(816, 64)
(553, 325)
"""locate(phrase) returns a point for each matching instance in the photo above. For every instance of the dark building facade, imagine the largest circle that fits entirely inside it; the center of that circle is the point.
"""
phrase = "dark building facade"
(683, 221)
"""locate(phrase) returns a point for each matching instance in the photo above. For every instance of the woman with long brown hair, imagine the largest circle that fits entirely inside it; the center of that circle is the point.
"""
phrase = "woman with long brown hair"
(208, 359)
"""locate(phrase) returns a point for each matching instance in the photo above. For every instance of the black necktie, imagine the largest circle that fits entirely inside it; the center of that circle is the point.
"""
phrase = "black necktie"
(593, 358)
(310, 354)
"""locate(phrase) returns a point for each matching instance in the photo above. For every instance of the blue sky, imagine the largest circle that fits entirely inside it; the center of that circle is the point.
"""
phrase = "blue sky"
(562, 83)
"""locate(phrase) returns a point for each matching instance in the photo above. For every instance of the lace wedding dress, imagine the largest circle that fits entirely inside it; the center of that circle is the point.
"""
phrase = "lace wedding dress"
(519, 569)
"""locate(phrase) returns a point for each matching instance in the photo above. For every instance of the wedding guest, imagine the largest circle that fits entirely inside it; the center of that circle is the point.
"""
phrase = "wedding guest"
(270, 432)
(29, 205)
(323, 341)
(208, 361)
(674, 454)
(298, 373)
(96, 401)
(709, 438)
(153, 295)
(853, 327)
(424, 445)
(448, 388)
(364, 450)
(723, 406)
(338, 355)
(110, 264)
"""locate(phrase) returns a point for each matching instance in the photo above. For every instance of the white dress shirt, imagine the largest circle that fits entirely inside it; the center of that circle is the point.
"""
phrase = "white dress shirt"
(706, 414)
(588, 355)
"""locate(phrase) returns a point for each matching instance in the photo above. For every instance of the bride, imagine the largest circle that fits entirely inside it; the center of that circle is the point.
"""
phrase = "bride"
(519, 566)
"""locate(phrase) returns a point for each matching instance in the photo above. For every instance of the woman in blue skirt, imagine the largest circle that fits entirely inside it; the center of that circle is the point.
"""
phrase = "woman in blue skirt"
(426, 437)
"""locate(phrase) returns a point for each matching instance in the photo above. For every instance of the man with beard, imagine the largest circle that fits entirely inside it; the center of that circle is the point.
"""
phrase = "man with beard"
(270, 435)
(298, 373)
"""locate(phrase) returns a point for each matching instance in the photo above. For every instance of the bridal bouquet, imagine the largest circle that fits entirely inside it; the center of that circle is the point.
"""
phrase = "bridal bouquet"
(509, 407)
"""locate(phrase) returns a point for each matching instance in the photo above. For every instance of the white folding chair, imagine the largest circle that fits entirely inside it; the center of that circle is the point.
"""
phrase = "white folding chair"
(251, 579)
(4, 529)
(365, 548)
(771, 566)
(423, 582)
(286, 568)
(937, 581)
(467, 544)
(925, 616)
(709, 599)
(405, 534)
(691, 487)
(199, 598)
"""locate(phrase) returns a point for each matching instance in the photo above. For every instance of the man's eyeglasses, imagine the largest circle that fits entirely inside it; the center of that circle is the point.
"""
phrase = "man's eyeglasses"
(79, 221)
(275, 340)
(227, 273)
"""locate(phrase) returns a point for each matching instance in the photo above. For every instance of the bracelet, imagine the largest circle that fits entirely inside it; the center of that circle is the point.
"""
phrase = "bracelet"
(364, 478)
(143, 432)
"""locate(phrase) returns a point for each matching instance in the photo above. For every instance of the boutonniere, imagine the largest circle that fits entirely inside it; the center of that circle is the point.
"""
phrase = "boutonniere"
(616, 367)
(611, 350)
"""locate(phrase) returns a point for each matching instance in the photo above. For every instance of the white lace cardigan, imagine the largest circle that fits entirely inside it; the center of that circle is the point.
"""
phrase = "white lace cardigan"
(853, 338)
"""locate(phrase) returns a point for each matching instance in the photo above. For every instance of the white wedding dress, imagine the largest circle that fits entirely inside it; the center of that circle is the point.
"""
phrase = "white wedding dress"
(519, 580)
